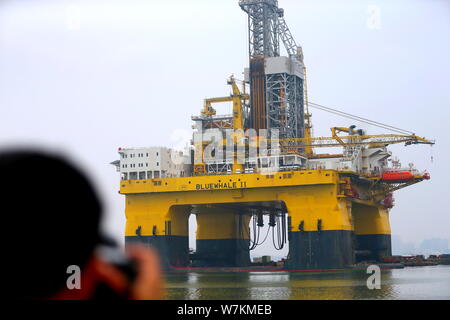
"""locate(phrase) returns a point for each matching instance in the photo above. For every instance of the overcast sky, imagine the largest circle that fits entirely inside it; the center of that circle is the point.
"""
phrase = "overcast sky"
(87, 77)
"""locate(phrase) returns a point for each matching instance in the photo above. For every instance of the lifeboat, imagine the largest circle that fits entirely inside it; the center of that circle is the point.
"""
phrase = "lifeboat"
(397, 176)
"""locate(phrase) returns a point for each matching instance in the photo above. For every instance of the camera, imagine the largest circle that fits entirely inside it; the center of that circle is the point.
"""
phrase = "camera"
(115, 256)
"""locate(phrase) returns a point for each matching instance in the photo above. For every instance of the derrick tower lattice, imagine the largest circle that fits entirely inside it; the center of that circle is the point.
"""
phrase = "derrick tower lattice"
(277, 83)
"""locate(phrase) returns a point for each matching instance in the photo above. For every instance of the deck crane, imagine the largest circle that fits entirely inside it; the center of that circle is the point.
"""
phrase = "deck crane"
(235, 122)
(373, 141)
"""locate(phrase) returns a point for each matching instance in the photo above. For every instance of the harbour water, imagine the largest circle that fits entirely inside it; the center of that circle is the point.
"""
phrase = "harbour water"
(427, 283)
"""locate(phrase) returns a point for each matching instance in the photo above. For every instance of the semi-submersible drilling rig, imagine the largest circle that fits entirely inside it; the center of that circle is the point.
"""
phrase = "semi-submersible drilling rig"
(332, 209)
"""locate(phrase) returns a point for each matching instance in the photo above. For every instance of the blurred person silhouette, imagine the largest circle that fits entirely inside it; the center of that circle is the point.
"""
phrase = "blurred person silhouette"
(51, 226)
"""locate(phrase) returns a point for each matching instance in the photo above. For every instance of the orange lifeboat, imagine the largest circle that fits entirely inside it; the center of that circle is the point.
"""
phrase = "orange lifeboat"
(397, 176)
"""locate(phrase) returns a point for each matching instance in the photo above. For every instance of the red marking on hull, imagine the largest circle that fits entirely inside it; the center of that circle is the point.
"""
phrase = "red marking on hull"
(225, 270)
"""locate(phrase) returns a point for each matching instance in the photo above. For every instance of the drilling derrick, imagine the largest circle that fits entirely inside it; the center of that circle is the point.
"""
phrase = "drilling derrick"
(276, 82)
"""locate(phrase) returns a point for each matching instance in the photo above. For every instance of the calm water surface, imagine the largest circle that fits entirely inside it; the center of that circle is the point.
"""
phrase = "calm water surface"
(409, 283)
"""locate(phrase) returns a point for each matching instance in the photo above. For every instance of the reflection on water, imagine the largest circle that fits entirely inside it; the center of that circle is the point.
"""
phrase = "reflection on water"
(409, 283)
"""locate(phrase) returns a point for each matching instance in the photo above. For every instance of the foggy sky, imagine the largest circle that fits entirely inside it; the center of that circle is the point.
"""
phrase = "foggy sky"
(87, 77)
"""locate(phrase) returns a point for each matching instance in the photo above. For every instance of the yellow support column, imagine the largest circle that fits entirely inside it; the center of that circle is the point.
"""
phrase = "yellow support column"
(161, 226)
(320, 229)
(373, 232)
(222, 238)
